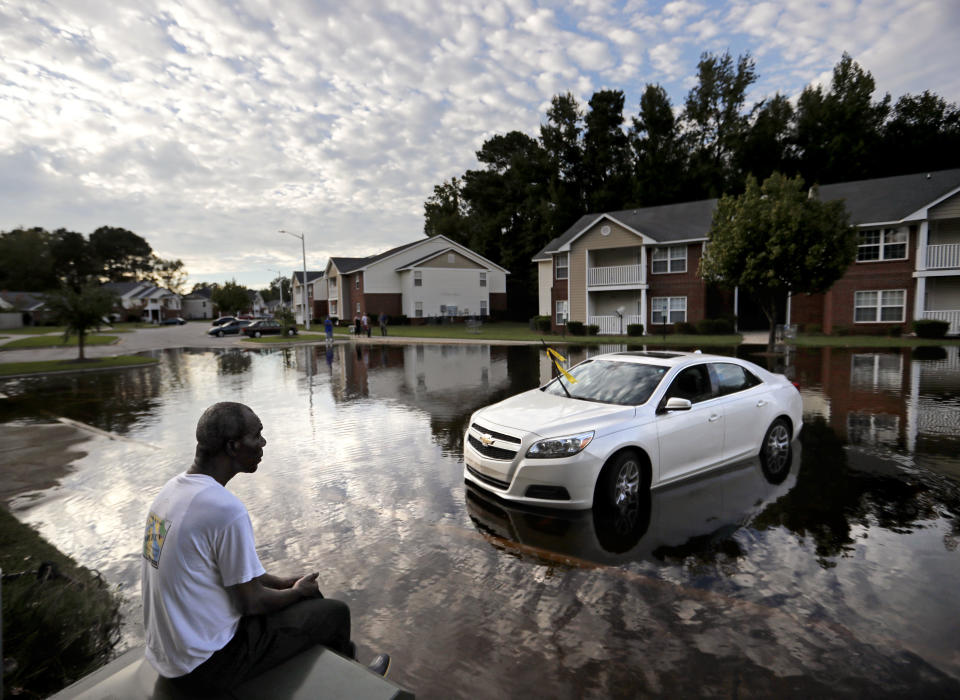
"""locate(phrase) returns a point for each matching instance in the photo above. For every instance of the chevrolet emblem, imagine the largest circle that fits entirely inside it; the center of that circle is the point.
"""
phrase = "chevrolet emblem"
(486, 439)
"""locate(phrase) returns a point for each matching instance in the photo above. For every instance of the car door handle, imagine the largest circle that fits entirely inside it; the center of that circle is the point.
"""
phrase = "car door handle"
(761, 403)
(714, 417)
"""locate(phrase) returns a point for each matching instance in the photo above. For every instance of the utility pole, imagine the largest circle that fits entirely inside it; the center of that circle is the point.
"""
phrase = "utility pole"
(303, 248)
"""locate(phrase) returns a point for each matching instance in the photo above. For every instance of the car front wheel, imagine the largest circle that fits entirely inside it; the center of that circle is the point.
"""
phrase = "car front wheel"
(291, 332)
(256, 334)
(219, 334)
(775, 451)
(621, 480)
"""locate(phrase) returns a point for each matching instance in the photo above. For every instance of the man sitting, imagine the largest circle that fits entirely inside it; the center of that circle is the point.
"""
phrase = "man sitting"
(213, 617)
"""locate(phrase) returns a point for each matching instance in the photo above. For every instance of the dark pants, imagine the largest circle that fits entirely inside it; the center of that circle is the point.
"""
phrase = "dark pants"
(264, 641)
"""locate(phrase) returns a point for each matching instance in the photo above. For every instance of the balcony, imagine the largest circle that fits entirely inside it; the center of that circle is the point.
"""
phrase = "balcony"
(943, 257)
(611, 325)
(616, 276)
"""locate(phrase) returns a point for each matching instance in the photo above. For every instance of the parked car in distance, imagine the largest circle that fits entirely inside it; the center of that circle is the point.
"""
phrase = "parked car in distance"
(267, 327)
(175, 321)
(231, 328)
(223, 319)
(631, 421)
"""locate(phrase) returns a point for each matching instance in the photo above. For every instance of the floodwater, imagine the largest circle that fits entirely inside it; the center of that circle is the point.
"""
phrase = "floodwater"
(841, 580)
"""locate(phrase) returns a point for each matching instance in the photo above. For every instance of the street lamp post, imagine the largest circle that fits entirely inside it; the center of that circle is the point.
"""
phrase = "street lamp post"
(303, 247)
(280, 277)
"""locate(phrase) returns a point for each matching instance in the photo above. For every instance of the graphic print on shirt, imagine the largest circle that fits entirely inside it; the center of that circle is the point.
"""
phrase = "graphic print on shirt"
(153, 538)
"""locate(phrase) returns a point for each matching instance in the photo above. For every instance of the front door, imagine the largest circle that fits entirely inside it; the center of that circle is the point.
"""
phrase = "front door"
(690, 440)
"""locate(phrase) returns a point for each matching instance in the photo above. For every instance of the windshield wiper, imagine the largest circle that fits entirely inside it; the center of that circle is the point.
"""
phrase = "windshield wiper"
(562, 385)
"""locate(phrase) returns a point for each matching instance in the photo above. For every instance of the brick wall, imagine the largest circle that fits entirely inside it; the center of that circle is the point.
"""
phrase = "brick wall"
(558, 292)
(682, 284)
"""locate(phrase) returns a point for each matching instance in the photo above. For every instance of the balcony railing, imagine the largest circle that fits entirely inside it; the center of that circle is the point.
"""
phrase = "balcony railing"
(940, 257)
(618, 275)
(951, 317)
(610, 325)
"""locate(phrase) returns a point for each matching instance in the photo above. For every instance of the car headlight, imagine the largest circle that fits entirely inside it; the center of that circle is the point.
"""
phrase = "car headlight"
(560, 446)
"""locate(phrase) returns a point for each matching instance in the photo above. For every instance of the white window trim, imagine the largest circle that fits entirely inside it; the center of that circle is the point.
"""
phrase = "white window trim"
(418, 309)
(883, 245)
(669, 308)
(483, 279)
(483, 308)
(561, 310)
(557, 267)
(417, 278)
(356, 282)
(667, 254)
(880, 305)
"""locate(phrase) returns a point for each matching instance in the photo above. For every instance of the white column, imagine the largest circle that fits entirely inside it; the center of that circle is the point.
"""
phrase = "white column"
(736, 310)
(643, 308)
(922, 239)
(920, 298)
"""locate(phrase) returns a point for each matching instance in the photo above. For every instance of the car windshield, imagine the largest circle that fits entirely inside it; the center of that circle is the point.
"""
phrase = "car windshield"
(606, 381)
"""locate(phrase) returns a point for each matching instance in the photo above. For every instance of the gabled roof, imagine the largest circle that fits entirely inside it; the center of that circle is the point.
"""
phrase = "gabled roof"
(311, 275)
(123, 288)
(880, 200)
(347, 265)
(24, 301)
(889, 199)
(431, 256)
(200, 293)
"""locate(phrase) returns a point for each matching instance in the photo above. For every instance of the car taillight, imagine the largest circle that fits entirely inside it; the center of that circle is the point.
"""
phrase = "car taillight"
(796, 385)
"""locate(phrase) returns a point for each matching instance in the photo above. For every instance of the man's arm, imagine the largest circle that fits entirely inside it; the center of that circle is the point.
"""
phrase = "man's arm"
(277, 582)
(255, 598)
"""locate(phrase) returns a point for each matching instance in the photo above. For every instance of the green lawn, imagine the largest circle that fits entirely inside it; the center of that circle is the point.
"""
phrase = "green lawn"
(868, 341)
(56, 341)
(15, 368)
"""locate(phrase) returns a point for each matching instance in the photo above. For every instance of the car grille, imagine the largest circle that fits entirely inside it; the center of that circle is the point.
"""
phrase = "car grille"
(490, 451)
(489, 480)
(494, 433)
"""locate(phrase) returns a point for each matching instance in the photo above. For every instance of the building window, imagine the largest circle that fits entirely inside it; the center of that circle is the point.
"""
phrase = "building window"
(451, 258)
(668, 310)
(562, 310)
(483, 279)
(417, 278)
(560, 266)
(483, 307)
(358, 308)
(882, 306)
(882, 244)
(671, 259)
(418, 309)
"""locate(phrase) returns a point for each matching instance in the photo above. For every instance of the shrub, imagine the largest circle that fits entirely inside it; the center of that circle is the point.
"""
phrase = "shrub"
(812, 328)
(575, 327)
(542, 323)
(684, 328)
(714, 326)
(930, 328)
(895, 331)
(593, 329)
(635, 329)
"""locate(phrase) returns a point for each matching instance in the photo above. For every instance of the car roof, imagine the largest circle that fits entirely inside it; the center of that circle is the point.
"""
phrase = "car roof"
(670, 358)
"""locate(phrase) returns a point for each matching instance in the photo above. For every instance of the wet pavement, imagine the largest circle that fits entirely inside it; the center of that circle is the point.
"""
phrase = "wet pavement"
(839, 581)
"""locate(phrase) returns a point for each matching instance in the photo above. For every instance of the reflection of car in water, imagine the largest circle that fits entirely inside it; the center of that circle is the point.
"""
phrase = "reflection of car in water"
(657, 523)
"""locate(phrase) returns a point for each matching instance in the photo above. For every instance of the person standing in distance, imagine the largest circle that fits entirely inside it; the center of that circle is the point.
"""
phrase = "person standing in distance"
(213, 617)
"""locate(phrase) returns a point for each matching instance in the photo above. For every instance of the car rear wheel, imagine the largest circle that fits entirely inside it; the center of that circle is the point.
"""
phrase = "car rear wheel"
(219, 334)
(775, 451)
(256, 334)
(621, 480)
(291, 332)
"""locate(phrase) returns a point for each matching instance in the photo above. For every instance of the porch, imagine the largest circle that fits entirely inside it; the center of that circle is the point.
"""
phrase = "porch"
(951, 317)
(616, 268)
(942, 257)
(614, 325)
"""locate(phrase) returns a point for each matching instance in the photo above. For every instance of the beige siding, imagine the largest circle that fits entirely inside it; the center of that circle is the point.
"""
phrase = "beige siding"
(944, 231)
(950, 209)
(943, 294)
(593, 239)
(545, 279)
(443, 260)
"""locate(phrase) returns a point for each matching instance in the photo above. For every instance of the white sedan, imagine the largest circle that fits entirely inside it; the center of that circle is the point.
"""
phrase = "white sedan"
(630, 421)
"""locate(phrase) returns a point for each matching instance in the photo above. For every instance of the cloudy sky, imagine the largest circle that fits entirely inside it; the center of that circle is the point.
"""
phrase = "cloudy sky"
(207, 125)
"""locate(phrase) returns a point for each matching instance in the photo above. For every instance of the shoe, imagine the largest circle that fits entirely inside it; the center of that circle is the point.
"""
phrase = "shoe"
(380, 664)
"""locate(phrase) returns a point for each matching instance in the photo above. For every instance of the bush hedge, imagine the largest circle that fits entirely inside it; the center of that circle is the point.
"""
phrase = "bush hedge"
(576, 327)
(541, 323)
(593, 329)
(930, 328)
(714, 326)
(635, 329)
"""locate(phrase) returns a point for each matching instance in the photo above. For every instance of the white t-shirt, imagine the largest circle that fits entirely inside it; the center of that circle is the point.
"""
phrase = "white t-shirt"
(198, 540)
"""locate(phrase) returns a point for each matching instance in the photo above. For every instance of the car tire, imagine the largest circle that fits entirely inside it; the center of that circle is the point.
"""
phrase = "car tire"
(775, 452)
(621, 481)
(256, 334)
(291, 332)
(219, 334)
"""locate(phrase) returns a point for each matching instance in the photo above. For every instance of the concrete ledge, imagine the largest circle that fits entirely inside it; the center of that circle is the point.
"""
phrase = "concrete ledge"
(315, 673)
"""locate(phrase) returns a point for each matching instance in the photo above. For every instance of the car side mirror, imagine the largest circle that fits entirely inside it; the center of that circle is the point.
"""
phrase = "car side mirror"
(677, 404)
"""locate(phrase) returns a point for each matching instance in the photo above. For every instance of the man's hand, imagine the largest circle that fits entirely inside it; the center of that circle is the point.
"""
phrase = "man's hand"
(307, 586)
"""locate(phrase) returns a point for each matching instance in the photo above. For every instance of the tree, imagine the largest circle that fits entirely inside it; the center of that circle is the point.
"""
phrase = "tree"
(169, 274)
(606, 153)
(776, 239)
(231, 297)
(560, 139)
(922, 134)
(123, 254)
(80, 310)
(659, 150)
(445, 212)
(715, 121)
(769, 144)
(25, 261)
(73, 258)
(838, 132)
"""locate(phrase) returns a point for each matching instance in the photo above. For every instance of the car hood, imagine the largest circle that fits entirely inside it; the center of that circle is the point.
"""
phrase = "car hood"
(548, 415)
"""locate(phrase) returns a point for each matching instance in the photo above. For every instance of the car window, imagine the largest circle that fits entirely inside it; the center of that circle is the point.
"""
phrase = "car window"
(693, 383)
(732, 378)
(606, 381)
